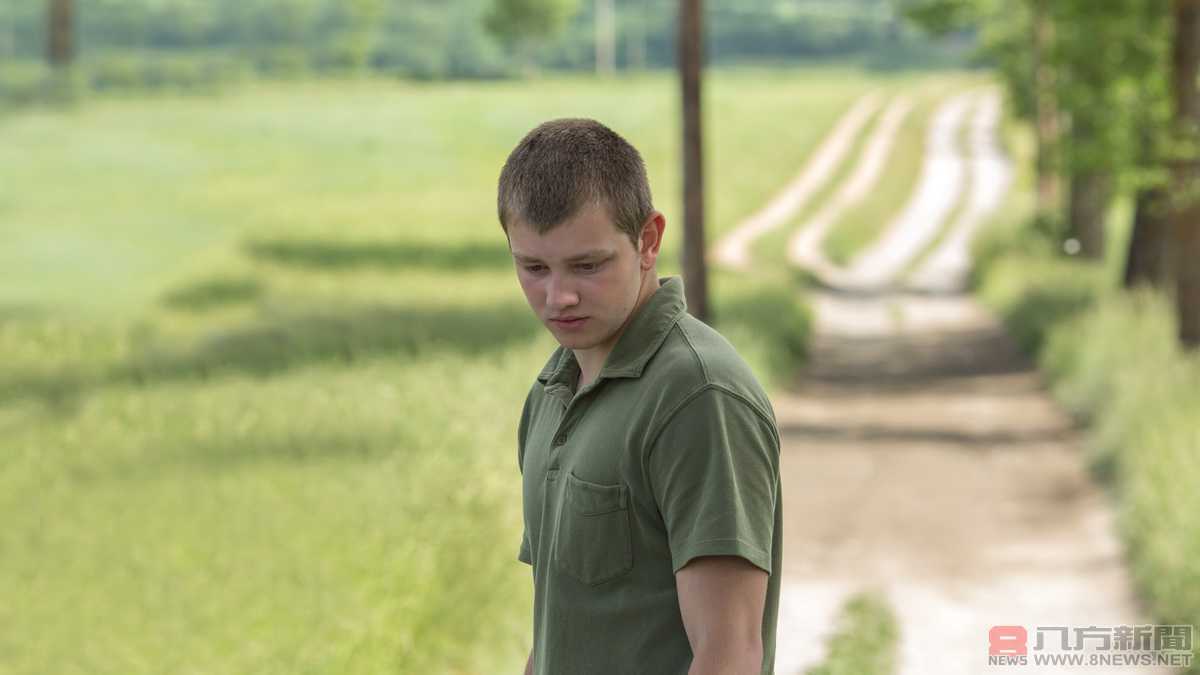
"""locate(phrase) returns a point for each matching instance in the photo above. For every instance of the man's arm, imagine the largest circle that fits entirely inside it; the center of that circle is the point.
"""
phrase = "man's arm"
(529, 664)
(721, 599)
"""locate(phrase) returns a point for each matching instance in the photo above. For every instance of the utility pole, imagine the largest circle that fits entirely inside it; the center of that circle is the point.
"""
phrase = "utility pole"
(606, 38)
(691, 55)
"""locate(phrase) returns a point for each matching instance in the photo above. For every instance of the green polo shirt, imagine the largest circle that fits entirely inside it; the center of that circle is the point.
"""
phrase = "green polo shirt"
(672, 452)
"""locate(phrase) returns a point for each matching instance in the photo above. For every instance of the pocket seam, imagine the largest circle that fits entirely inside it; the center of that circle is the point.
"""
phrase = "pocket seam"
(574, 510)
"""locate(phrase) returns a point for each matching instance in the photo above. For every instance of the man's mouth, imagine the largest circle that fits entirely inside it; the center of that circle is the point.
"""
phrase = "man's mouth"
(569, 321)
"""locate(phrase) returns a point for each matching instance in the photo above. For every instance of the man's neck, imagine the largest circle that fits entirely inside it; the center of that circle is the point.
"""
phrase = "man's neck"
(592, 360)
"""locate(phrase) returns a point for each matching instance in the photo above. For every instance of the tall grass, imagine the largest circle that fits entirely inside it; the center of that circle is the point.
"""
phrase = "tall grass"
(1113, 360)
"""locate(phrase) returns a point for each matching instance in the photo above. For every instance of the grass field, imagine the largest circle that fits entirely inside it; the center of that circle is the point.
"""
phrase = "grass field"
(265, 355)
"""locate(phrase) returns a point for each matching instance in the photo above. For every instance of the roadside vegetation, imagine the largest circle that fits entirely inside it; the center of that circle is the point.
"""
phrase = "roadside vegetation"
(865, 640)
(1112, 358)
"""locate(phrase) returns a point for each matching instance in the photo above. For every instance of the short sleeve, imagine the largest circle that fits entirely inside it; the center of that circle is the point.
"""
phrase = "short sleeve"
(714, 472)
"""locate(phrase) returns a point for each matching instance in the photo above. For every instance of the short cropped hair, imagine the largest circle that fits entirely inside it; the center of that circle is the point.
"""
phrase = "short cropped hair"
(566, 164)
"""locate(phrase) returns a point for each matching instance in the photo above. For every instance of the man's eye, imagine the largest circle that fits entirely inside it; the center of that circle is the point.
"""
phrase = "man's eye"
(533, 268)
(587, 267)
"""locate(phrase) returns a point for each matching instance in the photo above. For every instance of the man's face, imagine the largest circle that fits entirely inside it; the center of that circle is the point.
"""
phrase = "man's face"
(581, 278)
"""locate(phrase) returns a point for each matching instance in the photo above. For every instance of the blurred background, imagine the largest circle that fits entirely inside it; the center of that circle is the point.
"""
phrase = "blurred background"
(263, 353)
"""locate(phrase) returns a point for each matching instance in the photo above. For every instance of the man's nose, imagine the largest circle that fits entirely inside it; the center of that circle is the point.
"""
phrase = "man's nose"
(560, 293)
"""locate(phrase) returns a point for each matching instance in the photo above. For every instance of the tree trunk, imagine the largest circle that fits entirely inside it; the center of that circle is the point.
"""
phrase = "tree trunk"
(1146, 264)
(1186, 171)
(635, 39)
(60, 18)
(691, 51)
(1046, 109)
(1090, 192)
(606, 38)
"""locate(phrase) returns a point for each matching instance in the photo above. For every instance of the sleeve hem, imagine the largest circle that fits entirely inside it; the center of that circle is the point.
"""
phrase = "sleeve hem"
(756, 556)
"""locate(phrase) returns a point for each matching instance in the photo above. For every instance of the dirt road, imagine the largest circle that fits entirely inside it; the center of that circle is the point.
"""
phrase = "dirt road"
(733, 250)
(922, 456)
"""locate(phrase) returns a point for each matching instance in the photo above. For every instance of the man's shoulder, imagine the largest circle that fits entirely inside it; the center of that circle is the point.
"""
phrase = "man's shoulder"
(695, 357)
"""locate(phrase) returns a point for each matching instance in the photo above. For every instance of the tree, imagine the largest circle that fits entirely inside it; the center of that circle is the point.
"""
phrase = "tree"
(360, 21)
(60, 34)
(1147, 261)
(691, 54)
(1185, 58)
(1089, 91)
(1020, 38)
(521, 24)
(1045, 106)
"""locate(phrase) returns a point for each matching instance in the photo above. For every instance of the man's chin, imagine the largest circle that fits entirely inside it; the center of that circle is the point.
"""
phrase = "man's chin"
(572, 340)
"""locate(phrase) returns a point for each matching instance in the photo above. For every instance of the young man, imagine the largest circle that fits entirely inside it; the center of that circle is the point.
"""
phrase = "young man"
(648, 451)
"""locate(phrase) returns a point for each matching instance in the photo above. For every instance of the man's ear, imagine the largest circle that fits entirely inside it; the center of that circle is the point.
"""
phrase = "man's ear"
(650, 240)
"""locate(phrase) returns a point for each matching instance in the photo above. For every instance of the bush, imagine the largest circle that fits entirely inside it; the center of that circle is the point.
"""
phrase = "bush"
(1118, 365)
(1035, 293)
(22, 83)
(770, 326)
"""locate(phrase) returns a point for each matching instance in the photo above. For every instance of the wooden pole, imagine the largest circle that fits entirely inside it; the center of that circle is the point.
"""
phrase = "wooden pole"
(691, 51)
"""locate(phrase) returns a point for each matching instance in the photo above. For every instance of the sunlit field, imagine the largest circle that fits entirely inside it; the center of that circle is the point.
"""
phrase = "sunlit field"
(264, 355)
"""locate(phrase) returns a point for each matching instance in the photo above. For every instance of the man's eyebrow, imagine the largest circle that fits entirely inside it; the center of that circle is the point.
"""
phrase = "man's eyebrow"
(595, 253)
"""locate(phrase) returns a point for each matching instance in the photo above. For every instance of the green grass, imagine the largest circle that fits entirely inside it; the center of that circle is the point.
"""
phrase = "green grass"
(1112, 359)
(865, 640)
(264, 359)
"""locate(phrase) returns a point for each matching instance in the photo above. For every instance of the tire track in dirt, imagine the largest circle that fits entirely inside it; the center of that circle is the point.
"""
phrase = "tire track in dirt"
(943, 176)
(805, 247)
(947, 267)
(733, 250)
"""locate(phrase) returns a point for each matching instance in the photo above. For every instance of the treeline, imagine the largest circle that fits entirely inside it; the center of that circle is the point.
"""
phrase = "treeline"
(459, 38)
(1111, 90)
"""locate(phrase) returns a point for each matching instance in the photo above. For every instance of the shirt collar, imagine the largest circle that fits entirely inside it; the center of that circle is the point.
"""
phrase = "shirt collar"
(640, 340)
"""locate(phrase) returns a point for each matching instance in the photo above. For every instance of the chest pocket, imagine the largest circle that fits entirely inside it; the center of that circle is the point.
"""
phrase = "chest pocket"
(592, 538)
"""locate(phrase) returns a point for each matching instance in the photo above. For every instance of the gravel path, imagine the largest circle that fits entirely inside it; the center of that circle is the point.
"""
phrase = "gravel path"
(922, 455)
